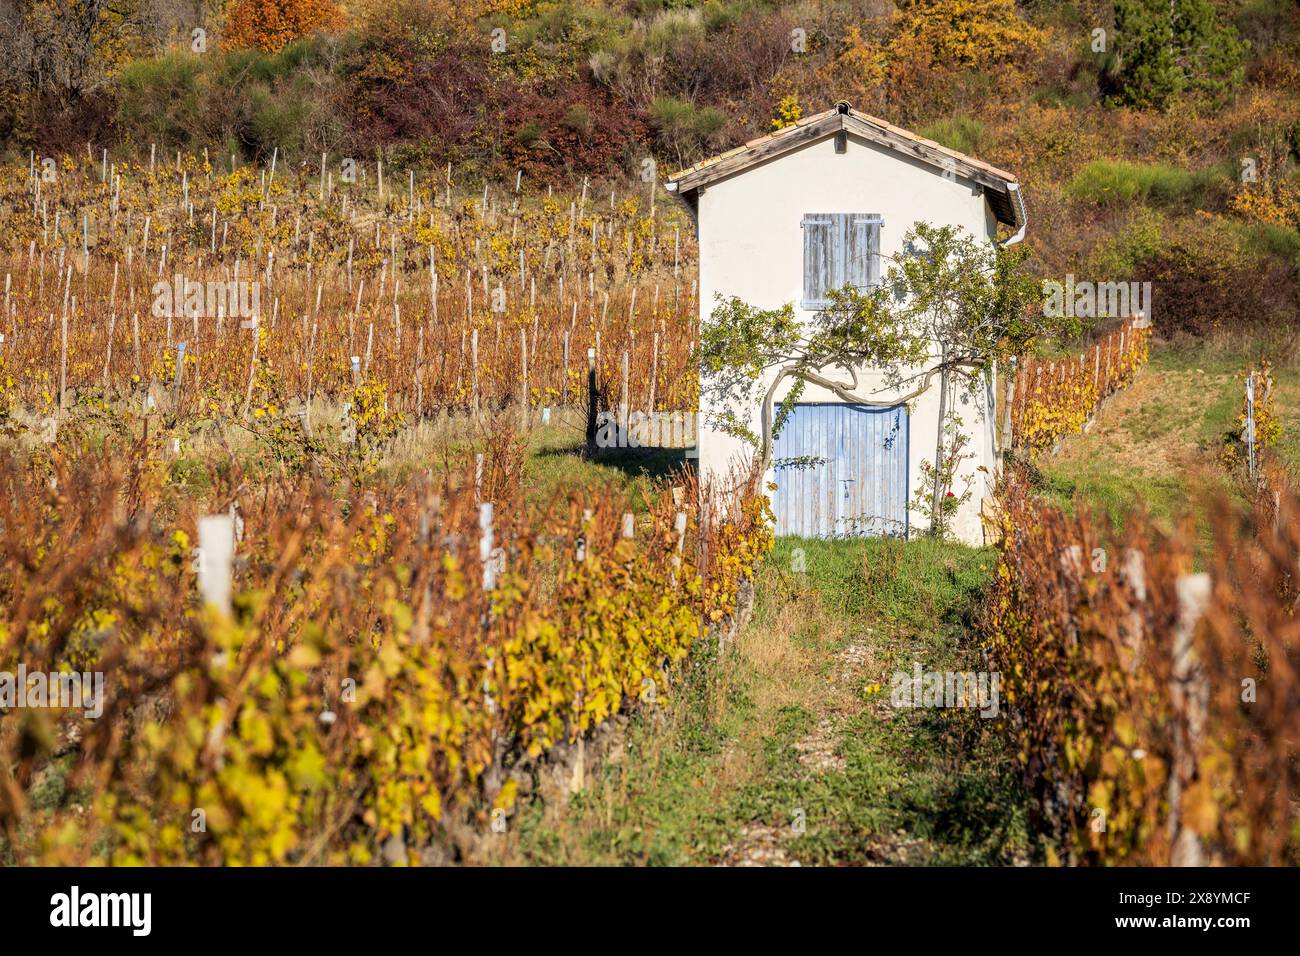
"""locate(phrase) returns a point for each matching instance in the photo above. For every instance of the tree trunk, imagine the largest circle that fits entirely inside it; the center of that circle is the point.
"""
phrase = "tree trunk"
(937, 503)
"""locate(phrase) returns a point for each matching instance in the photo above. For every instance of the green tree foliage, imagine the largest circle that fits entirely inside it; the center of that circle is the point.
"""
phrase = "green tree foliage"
(950, 306)
(1166, 47)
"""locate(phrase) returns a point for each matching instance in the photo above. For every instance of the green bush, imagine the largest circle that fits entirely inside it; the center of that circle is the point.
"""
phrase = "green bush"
(962, 133)
(256, 100)
(1139, 241)
(161, 100)
(1107, 181)
(685, 128)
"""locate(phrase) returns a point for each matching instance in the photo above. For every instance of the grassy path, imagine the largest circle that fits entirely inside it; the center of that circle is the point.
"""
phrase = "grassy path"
(786, 750)
(1155, 443)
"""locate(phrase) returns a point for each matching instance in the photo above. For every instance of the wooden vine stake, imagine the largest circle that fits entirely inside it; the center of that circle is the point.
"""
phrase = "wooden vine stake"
(215, 558)
(1190, 693)
(523, 388)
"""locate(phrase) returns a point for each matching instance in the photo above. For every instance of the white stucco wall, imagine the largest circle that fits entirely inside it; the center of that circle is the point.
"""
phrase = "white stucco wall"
(751, 246)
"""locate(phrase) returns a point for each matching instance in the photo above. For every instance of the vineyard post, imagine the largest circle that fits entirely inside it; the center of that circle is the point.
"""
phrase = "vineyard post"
(564, 382)
(581, 543)
(1190, 695)
(419, 373)
(433, 287)
(629, 525)
(63, 360)
(473, 361)
(654, 374)
(215, 558)
(523, 387)
(311, 351)
(1249, 434)
(252, 369)
(679, 526)
(1133, 573)
(623, 406)
(485, 546)
(180, 373)
(108, 346)
(591, 400)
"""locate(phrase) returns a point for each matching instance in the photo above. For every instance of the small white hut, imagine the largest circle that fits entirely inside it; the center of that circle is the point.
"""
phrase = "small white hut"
(814, 207)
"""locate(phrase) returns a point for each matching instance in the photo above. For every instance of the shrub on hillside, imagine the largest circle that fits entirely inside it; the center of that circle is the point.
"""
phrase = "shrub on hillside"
(961, 133)
(685, 129)
(941, 53)
(1108, 181)
(244, 100)
(1207, 280)
(1164, 47)
(270, 25)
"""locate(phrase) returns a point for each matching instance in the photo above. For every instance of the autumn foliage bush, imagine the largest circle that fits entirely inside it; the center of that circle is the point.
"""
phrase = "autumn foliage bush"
(1155, 713)
(268, 25)
(1056, 397)
(385, 668)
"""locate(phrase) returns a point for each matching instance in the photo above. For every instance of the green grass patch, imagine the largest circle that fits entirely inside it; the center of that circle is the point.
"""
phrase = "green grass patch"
(723, 767)
(1108, 181)
(557, 466)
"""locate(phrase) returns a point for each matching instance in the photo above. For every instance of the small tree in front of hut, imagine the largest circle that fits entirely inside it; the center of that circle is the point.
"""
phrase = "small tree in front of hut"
(949, 308)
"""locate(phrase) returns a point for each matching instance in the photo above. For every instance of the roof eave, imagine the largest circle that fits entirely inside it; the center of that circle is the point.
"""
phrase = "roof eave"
(815, 128)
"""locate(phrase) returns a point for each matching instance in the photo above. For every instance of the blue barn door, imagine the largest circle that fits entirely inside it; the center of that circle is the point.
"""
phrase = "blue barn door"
(841, 471)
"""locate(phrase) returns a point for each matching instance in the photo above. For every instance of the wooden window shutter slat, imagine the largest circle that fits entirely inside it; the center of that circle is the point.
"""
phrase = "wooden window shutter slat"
(840, 249)
(818, 259)
(864, 251)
